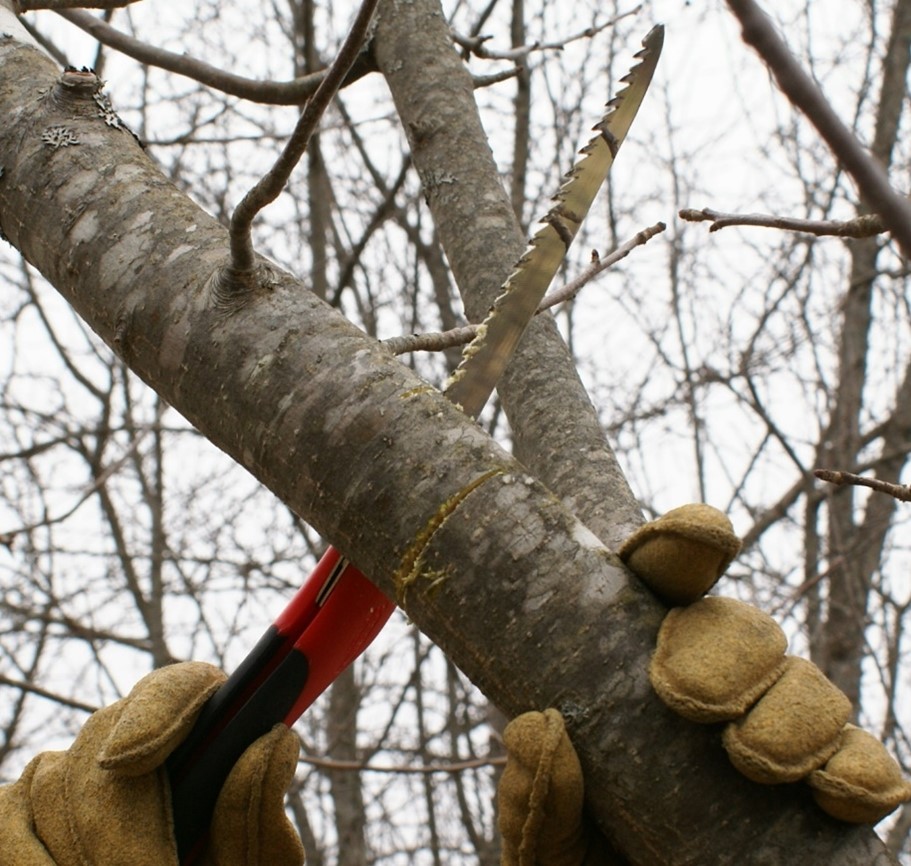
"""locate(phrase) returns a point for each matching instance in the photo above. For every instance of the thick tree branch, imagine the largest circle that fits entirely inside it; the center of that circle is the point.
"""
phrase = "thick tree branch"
(556, 430)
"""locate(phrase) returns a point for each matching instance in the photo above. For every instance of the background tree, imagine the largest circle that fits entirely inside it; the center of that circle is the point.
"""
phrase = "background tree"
(723, 367)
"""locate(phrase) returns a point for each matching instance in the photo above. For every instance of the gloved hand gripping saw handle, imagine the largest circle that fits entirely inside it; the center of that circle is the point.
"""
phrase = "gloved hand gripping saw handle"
(331, 620)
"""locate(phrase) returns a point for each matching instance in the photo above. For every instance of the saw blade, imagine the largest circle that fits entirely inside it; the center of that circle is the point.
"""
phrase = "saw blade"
(487, 355)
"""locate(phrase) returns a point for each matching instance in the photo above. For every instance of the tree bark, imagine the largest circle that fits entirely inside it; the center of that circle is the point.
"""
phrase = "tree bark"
(347, 792)
(555, 428)
(855, 546)
(483, 557)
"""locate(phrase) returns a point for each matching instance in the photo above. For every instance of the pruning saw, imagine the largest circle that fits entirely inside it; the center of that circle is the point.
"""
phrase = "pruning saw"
(337, 612)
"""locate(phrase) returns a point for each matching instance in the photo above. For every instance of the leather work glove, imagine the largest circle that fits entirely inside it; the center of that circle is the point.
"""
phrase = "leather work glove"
(540, 798)
(721, 660)
(106, 801)
(717, 660)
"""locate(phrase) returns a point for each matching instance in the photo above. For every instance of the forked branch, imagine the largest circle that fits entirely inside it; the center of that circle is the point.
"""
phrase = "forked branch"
(273, 182)
(872, 181)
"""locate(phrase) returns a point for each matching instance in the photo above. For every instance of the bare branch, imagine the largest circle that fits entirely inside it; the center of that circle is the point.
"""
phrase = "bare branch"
(32, 689)
(572, 288)
(864, 226)
(872, 181)
(835, 476)
(477, 44)
(7, 538)
(439, 341)
(479, 81)
(56, 5)
(268, 92)
(273, 182)
(362, 766)
(432, 341)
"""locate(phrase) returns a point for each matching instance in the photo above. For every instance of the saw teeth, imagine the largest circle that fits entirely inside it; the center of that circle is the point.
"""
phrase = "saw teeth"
(529, 280)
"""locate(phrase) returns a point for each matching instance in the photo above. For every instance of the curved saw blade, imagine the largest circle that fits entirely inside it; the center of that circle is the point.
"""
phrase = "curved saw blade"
(487, 355)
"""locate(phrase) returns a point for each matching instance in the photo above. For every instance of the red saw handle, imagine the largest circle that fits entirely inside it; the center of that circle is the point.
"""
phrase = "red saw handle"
(331, 620)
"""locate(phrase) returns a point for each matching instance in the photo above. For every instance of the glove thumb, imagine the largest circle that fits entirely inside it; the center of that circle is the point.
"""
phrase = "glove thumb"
(540, 794)
(249, 827)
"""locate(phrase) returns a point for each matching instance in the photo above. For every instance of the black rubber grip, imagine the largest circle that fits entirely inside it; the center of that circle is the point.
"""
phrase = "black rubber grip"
(198, 774)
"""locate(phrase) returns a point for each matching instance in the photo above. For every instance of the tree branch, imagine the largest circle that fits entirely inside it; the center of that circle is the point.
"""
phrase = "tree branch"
(32, 689)
(477, 45)
(556, 431)
(57, 5)
(454, 766)
(267, 92)
(273, 182)
(901, 492)
(872, 181)
(864, 226)
(438, 342)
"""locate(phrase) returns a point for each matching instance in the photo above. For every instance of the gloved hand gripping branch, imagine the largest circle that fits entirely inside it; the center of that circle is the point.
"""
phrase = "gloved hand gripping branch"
(717, 660)
(721, 660)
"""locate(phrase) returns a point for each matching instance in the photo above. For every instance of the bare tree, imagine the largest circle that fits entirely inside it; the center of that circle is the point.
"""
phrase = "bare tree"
(131, 542)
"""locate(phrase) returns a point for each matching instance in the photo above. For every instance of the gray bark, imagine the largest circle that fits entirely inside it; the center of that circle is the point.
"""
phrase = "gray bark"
(555, 428)
(855, 546)
(483, 557)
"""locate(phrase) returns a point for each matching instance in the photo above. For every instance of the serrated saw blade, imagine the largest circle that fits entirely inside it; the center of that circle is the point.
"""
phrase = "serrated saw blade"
(487, 355)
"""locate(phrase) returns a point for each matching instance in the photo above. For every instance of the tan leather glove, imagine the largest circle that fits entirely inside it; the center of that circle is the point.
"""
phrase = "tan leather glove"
(721, 660)
(540, 798)
(681, 555)
(106, 800)
(717, 660)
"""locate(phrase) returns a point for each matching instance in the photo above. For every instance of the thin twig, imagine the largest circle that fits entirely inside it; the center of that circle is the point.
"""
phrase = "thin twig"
(872, 181)
(438, 341)
(477, 44)
(572, 288)
(431, 341)
(865, 226)
(57, 5)
(7, 538)
(273, 182)
(835, 476)
(479, 81)
(362, 767)
(32, 689)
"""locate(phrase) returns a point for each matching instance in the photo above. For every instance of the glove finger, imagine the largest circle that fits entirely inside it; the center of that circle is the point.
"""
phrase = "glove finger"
(85, 814)
(861, 783)
(156, 715)
(19, 846)
(681, 555)
(793, 729)
(250, 827)
(540, 794)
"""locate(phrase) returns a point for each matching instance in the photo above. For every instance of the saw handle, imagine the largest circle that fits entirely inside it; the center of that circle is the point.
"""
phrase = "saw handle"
(331, 620)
